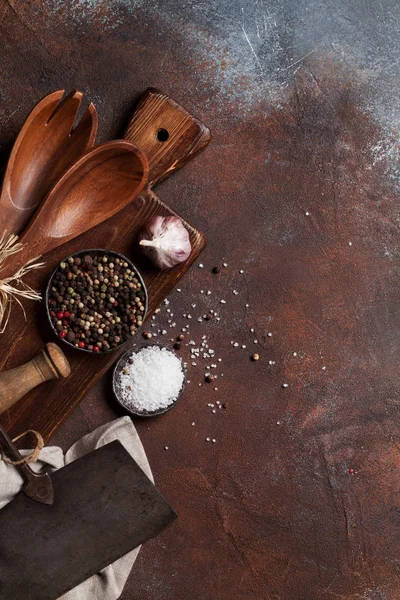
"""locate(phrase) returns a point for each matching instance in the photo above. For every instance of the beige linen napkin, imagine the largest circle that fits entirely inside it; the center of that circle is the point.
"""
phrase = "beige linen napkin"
(109, 583)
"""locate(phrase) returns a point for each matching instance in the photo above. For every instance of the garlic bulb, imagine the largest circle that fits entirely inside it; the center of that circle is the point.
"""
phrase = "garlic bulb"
(165, 240)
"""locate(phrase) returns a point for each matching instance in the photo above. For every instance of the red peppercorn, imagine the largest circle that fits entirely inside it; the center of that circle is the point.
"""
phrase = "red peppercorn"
(60, 314)
(52, 313)
(65, 322)
(81, 344)
(351, 471)
(67, 314)
(115, 303)
(62, 334)
(96, 349)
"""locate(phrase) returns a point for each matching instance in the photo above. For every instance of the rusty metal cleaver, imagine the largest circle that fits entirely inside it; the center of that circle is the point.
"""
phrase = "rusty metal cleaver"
(104, 506)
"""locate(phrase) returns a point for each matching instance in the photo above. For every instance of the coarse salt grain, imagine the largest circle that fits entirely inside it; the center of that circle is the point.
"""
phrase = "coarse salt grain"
(153, 380)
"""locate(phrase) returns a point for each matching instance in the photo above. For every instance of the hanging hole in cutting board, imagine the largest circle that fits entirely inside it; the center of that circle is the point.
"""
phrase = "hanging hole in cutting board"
(162, 135)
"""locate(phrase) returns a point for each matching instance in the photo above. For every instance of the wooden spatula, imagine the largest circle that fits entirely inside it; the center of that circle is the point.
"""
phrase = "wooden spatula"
(45, 148)
(99, 185)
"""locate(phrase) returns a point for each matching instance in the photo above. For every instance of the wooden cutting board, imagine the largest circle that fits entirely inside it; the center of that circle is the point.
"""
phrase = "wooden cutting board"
(169, 136)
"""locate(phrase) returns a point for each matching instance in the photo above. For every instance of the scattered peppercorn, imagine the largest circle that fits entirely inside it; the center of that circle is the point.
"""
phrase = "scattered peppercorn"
(177, 346)
(209, 378)
(180, 337)
(96, 302)
(255, 357)
(147, 335)
(215, 270)
(209, 316)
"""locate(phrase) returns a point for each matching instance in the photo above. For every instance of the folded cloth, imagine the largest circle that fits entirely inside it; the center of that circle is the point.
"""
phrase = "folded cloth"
(109, 583)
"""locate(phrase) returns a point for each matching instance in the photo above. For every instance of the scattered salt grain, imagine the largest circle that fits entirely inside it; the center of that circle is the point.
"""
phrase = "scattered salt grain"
(201, 265)
(285, 385)
(225, 265)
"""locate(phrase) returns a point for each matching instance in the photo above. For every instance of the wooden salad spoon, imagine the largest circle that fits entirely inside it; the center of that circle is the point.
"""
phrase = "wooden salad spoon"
(97, 186)
(45, 148)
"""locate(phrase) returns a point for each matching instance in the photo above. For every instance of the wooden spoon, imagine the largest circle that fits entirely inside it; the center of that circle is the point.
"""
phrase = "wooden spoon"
(96, 187)
(45, 148)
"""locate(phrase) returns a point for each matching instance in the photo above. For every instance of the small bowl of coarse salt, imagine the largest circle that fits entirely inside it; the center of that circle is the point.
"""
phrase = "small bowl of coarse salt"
(148, 382)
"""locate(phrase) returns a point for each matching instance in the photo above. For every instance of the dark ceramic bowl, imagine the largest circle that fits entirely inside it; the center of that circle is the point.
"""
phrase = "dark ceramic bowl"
(92, 252)
(121, 364)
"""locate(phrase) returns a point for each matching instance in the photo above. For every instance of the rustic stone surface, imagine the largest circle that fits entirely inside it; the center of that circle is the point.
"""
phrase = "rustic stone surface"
(303, 103)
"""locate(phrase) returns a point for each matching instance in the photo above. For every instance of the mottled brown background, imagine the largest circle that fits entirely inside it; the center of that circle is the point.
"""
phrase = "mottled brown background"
(303, 101)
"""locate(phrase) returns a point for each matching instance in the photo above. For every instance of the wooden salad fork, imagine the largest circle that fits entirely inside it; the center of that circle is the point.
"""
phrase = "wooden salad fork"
(47, 146)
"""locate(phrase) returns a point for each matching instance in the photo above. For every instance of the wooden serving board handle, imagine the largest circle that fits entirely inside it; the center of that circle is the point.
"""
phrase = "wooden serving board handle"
(166, 132)
(15, 383)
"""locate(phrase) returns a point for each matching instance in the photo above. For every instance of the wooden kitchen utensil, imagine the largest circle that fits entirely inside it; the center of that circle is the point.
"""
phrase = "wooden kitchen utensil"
(38, 486)
(96, 187)
(46, 413)
(50, 363)
(45, 148)
(105, 506)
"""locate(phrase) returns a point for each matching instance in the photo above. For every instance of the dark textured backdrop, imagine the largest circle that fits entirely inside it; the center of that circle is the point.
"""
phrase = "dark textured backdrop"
(303, 102)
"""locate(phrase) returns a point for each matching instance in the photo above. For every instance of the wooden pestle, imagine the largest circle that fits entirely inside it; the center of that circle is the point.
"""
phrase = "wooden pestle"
(51, 363)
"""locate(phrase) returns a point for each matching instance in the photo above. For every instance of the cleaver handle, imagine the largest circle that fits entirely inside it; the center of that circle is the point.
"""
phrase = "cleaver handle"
(37, 486)
(166, 132)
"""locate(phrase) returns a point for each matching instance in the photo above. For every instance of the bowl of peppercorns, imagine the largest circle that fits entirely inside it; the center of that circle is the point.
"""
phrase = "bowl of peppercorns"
(96, 300)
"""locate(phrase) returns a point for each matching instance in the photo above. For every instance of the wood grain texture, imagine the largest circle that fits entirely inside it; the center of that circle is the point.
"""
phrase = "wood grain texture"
(96, 187)
(43, 151)
(45, 409)
(50, 363)
(166, 132)
(156, 159)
